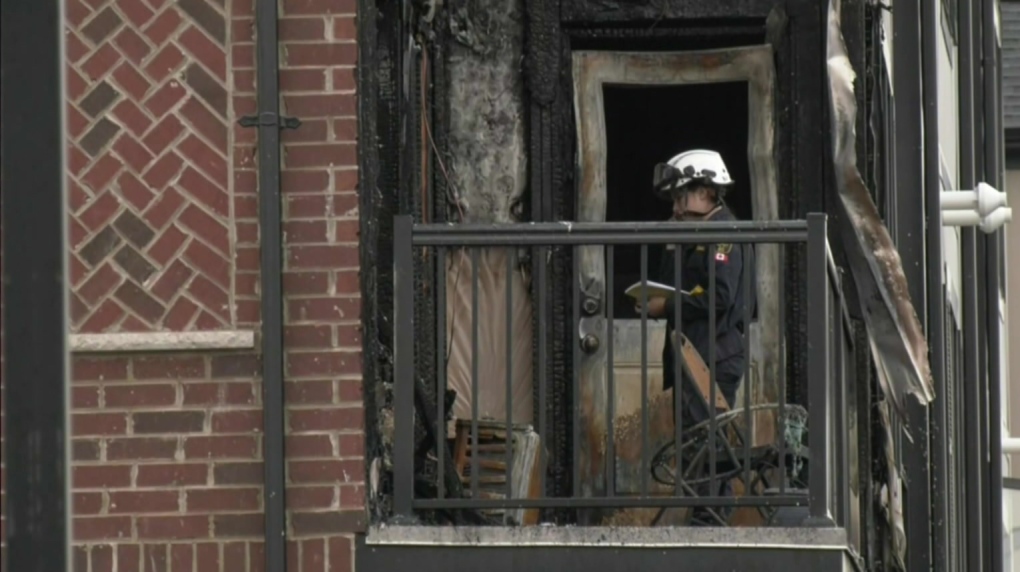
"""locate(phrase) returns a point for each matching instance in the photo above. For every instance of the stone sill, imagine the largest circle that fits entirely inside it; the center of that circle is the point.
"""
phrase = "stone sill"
(162, 342)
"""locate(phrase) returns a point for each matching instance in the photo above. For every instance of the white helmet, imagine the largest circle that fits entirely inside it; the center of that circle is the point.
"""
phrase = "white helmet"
(689, 166)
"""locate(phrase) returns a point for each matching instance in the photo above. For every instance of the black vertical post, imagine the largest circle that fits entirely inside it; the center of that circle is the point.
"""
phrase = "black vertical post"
(908, 197)
(34, 285)
(271, 242)
(993, 174)
(972, 420)
(403, 358)
(938, 447)
(820, 381)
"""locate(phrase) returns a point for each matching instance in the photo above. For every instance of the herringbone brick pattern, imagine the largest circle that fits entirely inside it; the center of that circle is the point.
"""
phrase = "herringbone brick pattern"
(149, 161)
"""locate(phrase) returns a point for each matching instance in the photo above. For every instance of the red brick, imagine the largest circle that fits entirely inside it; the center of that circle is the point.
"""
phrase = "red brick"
(75, 48)
(84, 397)
(305, 231)
(206, 227)
(229, 447)
(136, 85)
(165, 97)
(181, 314)
(347, 231)
(98, 369)
(171, 282)
(346, 130)
(352, 446)
(108, 314)
(106, 205)
(175, 475)
(77, 160)
(302, 29)
(207, 557)
(169, 244)
(128, 558)
(324, 309)
(132, 152)
(348, 282)
(163, 170)
(205, 51)
(132, 117)
(211, 264)
(313, 555)
(329, 106)
(134, 190)
(168, 422)
(238, 474)
(86, 503)
(312, 131)
(313, 497)
(309, 446)
(352, 496)
(313, 181)
(213, 297)
(90, 477)
(317, 364)
(163, 26)
(237, 421)
(99, 423)
(101, 61)
(349, 390)
(207, 159)
(341, 554)
(164, 63)
(329, 257)
(101, 528)
(140, 395)
(134, 47)
(135, 502)
(308, 392)
(156, 558)
(182, 557)
(245, 208)
(220, 499)
(242, 56)
(327, 522)
(298, 156)
(304, 283)
(235, 554)
(169, 367)
(296, 7)
(202, 394)
(241, 394)
(343, 79)
(297, 80)
(163, 134)
(76, 120)
(102, 558)
(307, 336)
(98, 177)
(238, 525)
(345, 204)
(325, 471)
(332, 419)
(344, 29)
(144, 448)
(237, 365)
(205, 191)
(205, 122)
(173, 527)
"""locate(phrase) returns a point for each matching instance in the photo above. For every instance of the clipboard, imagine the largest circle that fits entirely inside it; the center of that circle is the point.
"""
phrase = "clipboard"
(653, 290)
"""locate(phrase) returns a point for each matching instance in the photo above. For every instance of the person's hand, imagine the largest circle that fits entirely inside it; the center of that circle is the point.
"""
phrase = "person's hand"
(656, 307)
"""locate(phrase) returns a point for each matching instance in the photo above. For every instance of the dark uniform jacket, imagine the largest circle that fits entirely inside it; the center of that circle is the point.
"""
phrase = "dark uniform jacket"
(730, 302)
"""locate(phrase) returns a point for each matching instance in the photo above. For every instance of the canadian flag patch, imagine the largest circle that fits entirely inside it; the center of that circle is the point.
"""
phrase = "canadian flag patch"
(721, 257)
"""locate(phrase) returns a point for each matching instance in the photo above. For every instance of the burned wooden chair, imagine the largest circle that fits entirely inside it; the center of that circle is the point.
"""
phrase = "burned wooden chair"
(699, 459)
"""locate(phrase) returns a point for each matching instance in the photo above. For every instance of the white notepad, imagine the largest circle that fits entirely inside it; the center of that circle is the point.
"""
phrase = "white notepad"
(653, 290)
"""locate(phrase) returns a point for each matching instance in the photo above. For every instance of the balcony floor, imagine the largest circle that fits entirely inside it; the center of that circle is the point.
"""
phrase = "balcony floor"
(509, 549)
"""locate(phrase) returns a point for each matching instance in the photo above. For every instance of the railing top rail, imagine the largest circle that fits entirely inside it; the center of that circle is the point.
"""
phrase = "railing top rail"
(582, 233)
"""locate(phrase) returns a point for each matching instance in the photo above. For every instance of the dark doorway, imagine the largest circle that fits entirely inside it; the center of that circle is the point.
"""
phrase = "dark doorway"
(646, 125)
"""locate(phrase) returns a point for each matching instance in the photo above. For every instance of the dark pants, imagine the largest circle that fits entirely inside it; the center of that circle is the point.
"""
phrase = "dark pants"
(728, 374)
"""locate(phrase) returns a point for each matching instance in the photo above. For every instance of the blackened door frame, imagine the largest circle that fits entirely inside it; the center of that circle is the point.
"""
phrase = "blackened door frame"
(794, 28)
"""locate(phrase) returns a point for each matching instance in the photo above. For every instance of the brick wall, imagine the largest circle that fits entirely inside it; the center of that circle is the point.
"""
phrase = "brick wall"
(167, 446)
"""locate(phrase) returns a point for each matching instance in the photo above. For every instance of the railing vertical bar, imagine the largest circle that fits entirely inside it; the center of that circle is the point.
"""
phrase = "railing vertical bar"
(542, 254)
(645, 464)
(678, 365)
(403, 349)
(745, 271)
(576, 375)
(711, 251)
(441, 362)
(510, 256)
(474, 372)
(781, 327)
(610, 377)
(819, 398)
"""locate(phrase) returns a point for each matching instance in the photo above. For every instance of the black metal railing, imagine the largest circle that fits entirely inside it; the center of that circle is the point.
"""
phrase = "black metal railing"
(758, 440)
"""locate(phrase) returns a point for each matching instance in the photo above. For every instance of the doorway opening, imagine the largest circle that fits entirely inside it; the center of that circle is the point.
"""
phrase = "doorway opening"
(646, 125)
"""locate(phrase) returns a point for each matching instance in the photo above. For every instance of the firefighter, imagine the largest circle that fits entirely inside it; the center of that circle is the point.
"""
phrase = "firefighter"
(696, 182)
